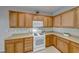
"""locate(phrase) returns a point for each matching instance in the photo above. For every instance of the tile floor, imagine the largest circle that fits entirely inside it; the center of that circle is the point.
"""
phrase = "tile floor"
(48, 50)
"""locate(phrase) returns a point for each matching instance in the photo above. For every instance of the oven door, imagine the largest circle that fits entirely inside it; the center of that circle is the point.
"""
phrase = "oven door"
(39, 42)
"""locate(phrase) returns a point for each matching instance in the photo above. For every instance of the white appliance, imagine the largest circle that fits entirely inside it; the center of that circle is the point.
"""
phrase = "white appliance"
(39, 36)
(37, 24)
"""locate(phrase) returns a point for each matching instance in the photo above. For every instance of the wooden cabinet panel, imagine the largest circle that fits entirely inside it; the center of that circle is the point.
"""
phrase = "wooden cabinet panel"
(62, 46)
(57, 21)
(54, 41)
(21, 20)
(28, 44)
(47, 41)
(19, 46)
(77, 17)
(9, 47)
(51, 40)
(74, 48)
(28, 20)
(45, 21)
(13, 19)
(38, 18)
(50, 22)
(68, 19)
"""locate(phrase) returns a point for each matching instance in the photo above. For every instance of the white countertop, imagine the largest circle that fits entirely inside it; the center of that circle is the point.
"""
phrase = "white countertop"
(71, 38)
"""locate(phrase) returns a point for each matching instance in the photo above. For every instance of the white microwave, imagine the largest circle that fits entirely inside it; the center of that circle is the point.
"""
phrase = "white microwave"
(37, 24)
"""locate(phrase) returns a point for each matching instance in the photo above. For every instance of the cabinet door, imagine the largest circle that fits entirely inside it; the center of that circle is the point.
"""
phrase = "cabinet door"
(50, 22)
(68, 19)
(9, 46)
(19, 46)
(62, 46)
(38, 18)
(74, 48)
(45, 21)
(77, 19)
(28, 44)
(57, 21)
(28, 20)
(21, 20)
(51, 40)
(54, 41)
(13, 19)
(47, 41)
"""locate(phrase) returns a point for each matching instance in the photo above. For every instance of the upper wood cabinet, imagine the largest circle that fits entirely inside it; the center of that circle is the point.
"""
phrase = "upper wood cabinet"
(21, 20)
(68, 19)
(77, 17)
(13, 19)
(57, 21)
(38, 18)
(50, 22)
(28, 20)
(45, 21)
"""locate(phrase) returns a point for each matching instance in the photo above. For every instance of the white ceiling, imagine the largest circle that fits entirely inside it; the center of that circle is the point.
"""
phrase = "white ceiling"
(49, 10)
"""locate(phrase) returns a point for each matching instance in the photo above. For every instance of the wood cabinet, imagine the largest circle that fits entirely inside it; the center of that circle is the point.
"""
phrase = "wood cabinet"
(68, 19)
(13, 19)
(28, 44)
(74, 47)
(21, 20)
(63, 45)
(38, 18)
(57, 21)
(47, 41)
(28, 20)
(9, 46)
(24, 20)
(77, 17)
(45, 22)
(54, 41)
(19, 45)
(50, 22)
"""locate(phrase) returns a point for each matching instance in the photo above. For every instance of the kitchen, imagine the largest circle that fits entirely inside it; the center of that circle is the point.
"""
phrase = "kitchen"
(56, 25)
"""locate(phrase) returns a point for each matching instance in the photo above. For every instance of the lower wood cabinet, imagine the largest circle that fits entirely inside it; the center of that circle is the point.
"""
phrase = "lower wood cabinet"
(74, 47)
(9, 46)
(19, 45)
(28, 42)
(62, 45)
(47, 40)
(54, 43)
(18, 48)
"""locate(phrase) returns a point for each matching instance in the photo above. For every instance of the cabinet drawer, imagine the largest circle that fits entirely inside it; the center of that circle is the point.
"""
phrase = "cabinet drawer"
(9, 41)
(30, 48)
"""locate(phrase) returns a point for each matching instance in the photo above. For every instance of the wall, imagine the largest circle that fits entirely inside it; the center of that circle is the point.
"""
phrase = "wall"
(74, 32)
(5, 31)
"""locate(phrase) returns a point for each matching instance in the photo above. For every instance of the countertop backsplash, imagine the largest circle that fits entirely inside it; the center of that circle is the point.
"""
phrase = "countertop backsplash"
(71, 31)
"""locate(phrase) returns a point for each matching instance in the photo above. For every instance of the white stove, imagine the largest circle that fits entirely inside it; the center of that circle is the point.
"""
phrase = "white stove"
(39, 42)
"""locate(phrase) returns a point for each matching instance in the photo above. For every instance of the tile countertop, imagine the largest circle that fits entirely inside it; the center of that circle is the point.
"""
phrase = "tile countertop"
(24, 35)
